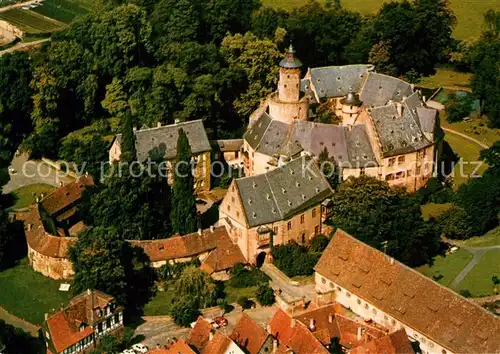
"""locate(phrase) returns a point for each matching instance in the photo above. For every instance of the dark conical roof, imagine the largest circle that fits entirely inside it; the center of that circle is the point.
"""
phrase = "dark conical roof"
(290, 61)
(351, 99)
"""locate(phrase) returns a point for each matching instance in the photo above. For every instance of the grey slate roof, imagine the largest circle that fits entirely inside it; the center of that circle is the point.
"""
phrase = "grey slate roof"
(229, 145)
(336, 81)
(254, 134)
(427, 119)
(359, 148)
(398, 135)
(282, 192)
(315, 137)
(378, 89)
(164, 139)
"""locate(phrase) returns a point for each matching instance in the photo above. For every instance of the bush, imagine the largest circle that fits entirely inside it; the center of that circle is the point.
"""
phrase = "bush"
(434, 192)
(294, 259)
(265, 295)
(458, 107)
(318, 243)
(465, 293)
(245, 302)
(454, 223)
(185, 311)
(241, 277)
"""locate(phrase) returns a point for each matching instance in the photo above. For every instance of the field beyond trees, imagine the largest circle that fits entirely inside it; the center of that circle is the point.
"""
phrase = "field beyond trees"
(30, 22)
(469, 13)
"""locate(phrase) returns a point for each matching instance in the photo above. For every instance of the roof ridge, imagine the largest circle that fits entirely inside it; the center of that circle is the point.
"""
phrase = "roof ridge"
(168, 126)
(272, 193)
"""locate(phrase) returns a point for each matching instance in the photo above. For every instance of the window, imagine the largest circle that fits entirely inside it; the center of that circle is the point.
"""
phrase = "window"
(366, 306)
(400, 174)
(302, 219)
(386, 318)
(401, 160)
(228, 207)
(358, 301)
(348, 294)
(339, 289)
(362, 171)
(417, 170)
(316, 229)
(392, 161)
(232, 199)
(323, 280)
(289, 225)
(389, 177)
(275, 230)
(374, 311)
(314, 213)
(393, 322)
(237, 214)
(303, 238)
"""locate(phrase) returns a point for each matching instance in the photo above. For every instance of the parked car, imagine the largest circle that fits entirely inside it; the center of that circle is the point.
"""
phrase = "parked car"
(221, 321)
(128, 351)
(140, 348)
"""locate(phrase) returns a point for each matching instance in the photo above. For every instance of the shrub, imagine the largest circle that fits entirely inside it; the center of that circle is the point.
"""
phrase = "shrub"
(242, 277)
(454, 223)
(245, 302)
(184, 311)
(294, 259)
(265, 295)
(458, 107)
(318, 243)
(465, 293)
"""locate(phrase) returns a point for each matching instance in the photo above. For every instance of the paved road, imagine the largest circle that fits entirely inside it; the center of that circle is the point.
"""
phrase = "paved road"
(17, 322)
(465, 136)
(31, 172)
(23, 45)
(292, 290)
(477, 254)
(157, 330)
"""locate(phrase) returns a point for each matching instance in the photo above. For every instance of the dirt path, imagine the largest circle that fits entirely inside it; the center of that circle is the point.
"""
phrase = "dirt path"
(465, 136)
(17, 322)
(21, 46)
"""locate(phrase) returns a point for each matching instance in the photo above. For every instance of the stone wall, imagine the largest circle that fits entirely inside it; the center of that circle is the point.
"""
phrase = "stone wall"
(52, 267)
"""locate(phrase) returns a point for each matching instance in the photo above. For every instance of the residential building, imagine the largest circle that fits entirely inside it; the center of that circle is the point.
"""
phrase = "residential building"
(207, 340)
(179, 347)
(78, 327)
(276, 207)
(251, 337)
(385, 129)
(160, 143)
(385, 291)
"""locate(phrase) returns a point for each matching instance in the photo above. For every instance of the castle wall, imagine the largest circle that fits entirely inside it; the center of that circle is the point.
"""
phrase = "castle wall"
(288, 111)
(52, 267)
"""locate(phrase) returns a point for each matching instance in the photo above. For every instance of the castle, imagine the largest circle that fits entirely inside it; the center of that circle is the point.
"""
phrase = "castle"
(371, 124)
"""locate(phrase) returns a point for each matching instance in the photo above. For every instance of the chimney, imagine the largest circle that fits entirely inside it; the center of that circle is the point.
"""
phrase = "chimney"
(361, 331)
(312, 326)
(200, 231)
(293, 323)
(330, 318)
(275, 346)
(158, 125)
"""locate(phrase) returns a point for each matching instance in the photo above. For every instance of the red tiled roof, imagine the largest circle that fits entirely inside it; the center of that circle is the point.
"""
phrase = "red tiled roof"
(408, 296)
(217, 345)
(199, 335)
(66, 195)
(394, 343)
(64, 325)
(297, 338)
(41, 241)
(348, 332)
(180, 347)
(183, 246)
(324, 322)
(224, 257)
(249, 335)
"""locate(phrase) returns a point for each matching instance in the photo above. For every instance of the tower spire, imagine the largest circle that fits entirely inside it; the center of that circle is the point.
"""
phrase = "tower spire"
(290, 61)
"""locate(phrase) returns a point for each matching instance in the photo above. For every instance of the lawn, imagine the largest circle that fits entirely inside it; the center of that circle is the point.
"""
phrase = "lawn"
(469, 153)
(469, 13)
(446, 77)
(232, 294)
(24, 196)
(433, 210)
(31, 22)
(476, 128)
(64, 10)
(478, 281)
(29, 295)
(446, 268)
(491, 238)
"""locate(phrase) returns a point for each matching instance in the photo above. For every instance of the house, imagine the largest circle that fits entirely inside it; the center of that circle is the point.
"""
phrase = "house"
(382, 127)
(212, 247)
(279, 206)
(386, 292)
(160, 143)
(207, 340)
(179, 347)
(78, 327)
(251, 337)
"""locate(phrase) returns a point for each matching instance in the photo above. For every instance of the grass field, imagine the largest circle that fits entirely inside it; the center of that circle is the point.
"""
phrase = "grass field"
(476, 128)
(29, 295)
(30, 21)
(446, 77)
(469, 152)
(64, 10)
(478, 281)
(469, 13)
(23, 196)
(434, 210)
(445, 269)
(491, 238)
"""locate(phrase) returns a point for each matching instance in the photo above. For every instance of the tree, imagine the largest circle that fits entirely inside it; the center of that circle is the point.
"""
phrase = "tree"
(183, 215)
(129, 153)
(458, 107)
(97, 259)
(266, 20)
(318, 243)
(373, 212)
(15, 341)
(294, 259)
(197, 285)
(107, 345)
(115, 101)
(492, 155)
(265, 295)
(329, 168)
(184, 311)
(135, 203)
(6, 239)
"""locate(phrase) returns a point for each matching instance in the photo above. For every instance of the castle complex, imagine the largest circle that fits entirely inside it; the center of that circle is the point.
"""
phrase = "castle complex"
(375, 124)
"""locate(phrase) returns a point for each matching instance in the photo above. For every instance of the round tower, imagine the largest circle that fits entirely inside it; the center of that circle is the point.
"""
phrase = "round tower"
(289, 83)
